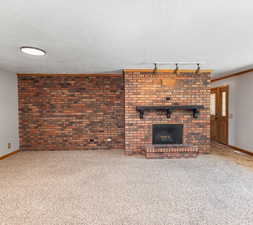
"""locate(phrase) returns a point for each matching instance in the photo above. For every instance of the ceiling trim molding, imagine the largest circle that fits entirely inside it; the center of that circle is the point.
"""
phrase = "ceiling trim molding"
(165, 70)
(71, 75)
(232, 75)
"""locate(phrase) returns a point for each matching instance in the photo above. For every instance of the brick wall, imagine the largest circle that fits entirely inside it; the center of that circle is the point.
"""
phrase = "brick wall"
(71, 112)
(149, 89)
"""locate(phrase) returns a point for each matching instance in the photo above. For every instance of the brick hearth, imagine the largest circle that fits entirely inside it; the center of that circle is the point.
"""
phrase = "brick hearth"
(171, 151)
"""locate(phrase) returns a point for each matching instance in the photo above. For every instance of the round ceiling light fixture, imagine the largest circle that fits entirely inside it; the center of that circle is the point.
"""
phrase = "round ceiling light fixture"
(32, 51)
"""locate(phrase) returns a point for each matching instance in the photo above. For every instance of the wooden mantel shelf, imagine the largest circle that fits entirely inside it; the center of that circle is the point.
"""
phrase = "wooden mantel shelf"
(194, 108)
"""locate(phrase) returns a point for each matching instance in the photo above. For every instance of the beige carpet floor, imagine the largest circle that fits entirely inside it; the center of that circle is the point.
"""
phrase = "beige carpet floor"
(108, 188)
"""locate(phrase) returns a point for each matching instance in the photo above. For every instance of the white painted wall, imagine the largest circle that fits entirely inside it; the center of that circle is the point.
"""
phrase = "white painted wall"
(240, 110)
(8, 112)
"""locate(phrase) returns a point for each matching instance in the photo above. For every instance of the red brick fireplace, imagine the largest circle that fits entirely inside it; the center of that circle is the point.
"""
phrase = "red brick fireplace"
(92, 112)
(167, 98)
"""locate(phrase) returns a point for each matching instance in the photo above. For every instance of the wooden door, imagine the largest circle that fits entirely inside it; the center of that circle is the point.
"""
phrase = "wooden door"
(219, 114)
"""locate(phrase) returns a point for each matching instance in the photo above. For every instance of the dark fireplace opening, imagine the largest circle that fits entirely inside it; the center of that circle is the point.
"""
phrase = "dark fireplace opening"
(167, 134)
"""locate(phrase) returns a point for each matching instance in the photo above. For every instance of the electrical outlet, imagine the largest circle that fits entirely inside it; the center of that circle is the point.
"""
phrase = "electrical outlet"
(9, 145)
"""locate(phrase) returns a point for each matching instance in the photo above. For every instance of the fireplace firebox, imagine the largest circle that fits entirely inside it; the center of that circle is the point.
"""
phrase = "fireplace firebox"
(167, 134)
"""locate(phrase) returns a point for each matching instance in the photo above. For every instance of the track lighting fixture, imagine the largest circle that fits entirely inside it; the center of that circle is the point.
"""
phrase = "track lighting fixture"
(176, 71)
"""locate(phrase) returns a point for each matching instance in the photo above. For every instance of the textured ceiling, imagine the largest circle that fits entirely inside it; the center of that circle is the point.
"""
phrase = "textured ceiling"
(95, 36)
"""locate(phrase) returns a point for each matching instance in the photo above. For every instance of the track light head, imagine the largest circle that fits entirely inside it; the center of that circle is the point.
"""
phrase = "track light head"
(198, 68)
(176, 69)
(155, 67)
